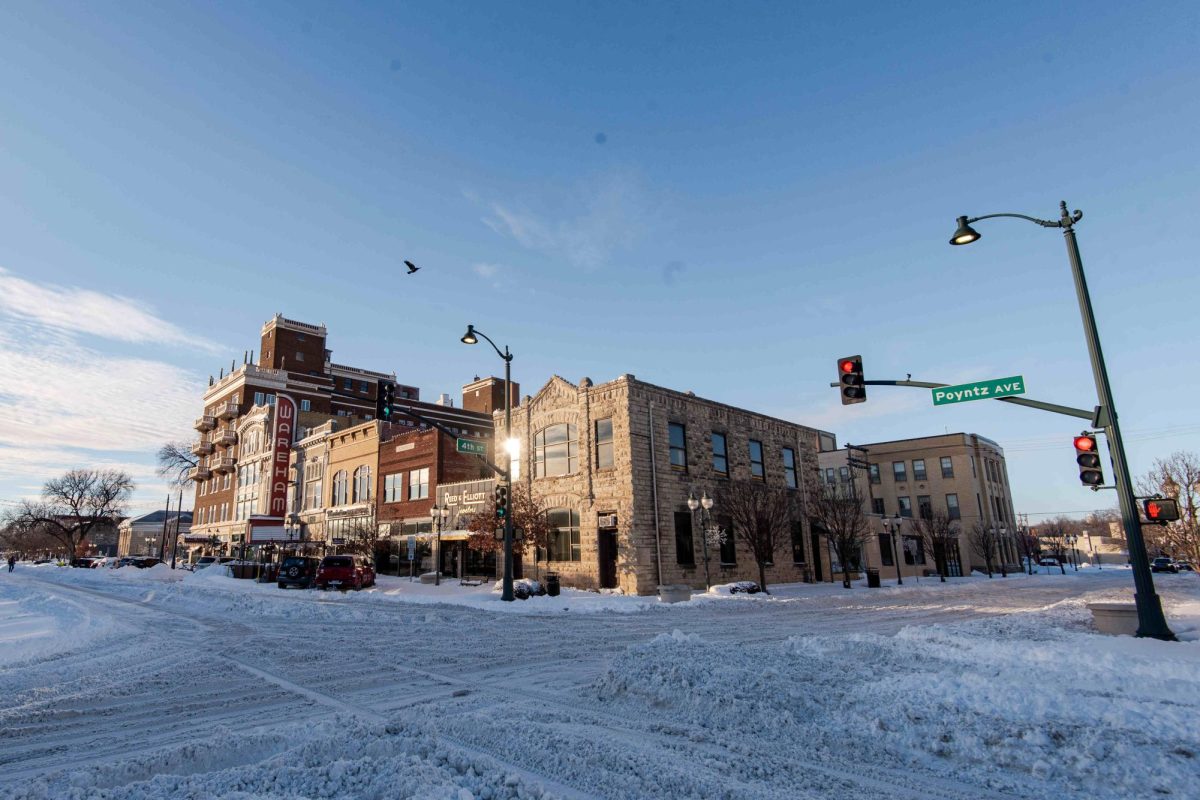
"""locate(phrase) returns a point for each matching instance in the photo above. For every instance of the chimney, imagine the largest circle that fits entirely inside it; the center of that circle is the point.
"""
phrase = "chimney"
(444, 400)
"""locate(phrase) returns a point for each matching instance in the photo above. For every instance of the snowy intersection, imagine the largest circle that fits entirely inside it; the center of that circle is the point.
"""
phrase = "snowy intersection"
(137, 685)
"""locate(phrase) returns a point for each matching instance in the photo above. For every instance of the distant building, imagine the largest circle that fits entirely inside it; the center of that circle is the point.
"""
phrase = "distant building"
(963, 475)
(138, 536)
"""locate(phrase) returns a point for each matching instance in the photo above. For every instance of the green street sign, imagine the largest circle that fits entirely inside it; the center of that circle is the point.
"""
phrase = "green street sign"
(471, 446)
(980, 390)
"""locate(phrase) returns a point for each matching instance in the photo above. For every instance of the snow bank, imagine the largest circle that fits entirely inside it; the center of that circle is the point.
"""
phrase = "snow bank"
(1022, 703)
(34, 626)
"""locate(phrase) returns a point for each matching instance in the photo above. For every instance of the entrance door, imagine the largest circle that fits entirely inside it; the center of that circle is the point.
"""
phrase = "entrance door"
(607, 545)
(816, 557)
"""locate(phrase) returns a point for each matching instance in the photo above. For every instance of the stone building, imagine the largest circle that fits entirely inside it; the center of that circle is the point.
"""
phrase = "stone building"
(145, 534)
(963, 475)
(615, 464)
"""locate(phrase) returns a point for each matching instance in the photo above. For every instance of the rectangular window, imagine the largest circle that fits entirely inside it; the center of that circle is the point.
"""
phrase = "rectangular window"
(844, 474)
(947, 467)
(677, 435)
(720, 455)
(393, 487)
(789, 468)
(919, 469)
(260, 399)
(952, 507)
(299, 356)
(797, 542)
(271, 399)
(905, 506)
(829, 475)
(924, 506)
(728, 545)
(418, 484)
(899, 474)
(306, 405)
(873, 471)
(347, 384)
(685, 550)
(604, 443)
(564, 536)
(914, 552)
(756, 461)
(979, 503)
(885, 550)
(877, 505)
(362, 386)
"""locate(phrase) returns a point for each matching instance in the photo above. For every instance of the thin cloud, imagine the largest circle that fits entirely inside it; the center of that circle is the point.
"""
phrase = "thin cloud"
(600, 220)
(485, 270)
(78, 310)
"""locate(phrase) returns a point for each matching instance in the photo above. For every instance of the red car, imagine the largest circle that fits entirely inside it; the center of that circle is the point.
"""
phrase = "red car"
(345, 572)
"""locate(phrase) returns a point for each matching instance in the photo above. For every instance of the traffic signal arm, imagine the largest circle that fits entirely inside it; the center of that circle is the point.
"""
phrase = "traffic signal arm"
(1095, 416)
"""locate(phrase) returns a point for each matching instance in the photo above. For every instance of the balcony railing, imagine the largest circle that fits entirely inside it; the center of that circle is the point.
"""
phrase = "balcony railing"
(205, 423)
(227, 411)
(199, 473)
(224, 464)
(202, 447)
(225, 438)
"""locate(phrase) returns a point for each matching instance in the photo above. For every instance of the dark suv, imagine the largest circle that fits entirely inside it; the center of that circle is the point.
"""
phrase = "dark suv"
(1163, 564)
(345, 572)
(298, 571)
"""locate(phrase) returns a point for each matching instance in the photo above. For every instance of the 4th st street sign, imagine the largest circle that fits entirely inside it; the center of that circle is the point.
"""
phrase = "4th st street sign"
(472, 447)
(980, 390)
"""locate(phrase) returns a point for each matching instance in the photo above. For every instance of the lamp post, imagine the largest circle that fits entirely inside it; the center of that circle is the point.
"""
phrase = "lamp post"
(1151, 621)
(704, 504)
(892, 527)
(1000, 534)
(471, 337)
(438, 515)
(1071, 539)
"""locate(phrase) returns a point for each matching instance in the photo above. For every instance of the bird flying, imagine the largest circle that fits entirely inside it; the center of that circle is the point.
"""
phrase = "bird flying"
(411, 267)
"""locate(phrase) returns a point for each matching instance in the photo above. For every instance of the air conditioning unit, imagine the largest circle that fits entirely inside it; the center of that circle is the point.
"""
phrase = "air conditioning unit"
(606, 521)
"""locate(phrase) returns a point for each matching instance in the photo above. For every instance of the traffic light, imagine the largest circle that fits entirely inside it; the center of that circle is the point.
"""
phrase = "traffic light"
(1161, 509)
(384, 399)
(850, 376)
(1087, 456)
(501, 502)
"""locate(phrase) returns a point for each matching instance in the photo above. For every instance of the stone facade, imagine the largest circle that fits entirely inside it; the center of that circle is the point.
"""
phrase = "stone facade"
(628, 490)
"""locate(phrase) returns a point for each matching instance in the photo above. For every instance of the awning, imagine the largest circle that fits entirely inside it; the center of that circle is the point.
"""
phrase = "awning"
(447, 536)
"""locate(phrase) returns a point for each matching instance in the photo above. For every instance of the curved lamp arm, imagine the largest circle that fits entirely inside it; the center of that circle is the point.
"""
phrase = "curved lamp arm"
(471, 329)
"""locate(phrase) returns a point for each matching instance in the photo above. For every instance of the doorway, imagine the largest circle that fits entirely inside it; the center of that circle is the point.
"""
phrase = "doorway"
(607, 547)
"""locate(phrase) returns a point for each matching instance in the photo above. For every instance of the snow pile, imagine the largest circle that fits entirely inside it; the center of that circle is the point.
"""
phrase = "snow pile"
(1019, 702)
(339, 757)
(40, 625)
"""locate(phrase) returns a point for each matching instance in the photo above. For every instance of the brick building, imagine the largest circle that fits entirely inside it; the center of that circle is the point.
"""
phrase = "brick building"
(614, 466)
(963, 475)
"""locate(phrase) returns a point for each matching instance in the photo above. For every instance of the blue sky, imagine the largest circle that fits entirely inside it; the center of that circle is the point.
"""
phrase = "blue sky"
(716, 197)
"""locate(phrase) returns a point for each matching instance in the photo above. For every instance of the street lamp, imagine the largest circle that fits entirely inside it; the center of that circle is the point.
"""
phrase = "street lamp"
(149, 544)
(892, 527)
(1000, 534)
(472, 337)
(705, 504)
(438, 515)
(1151, 621)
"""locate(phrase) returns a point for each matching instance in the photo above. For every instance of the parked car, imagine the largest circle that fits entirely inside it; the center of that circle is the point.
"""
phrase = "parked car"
(87, 562)
(146, 561)
(1047, 561)
(1163, 564)
(1184, 566)
(298, 571)
(345, 572)
(204, 561)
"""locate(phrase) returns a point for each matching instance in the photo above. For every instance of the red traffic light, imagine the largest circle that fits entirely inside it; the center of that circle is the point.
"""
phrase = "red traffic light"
(1085, 444)
(1161, 509)
(847, 365)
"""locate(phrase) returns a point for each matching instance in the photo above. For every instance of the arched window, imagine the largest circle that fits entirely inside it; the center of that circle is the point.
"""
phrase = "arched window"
(556, 451)
(340, 486)
(362, 484)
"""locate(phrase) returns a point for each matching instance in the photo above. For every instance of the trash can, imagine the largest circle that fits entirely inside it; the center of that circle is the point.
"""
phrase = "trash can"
(872, 578)
(552, 584)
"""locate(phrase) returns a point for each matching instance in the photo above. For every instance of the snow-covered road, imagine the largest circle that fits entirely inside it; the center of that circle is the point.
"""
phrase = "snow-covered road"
(129, 688)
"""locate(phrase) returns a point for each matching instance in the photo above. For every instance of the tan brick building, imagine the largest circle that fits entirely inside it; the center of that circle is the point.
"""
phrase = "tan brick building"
(614, 466)
(961, 474)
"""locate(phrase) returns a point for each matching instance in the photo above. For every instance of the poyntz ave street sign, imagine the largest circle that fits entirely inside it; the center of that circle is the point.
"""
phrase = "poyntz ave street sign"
(980, 390)
(471, 446)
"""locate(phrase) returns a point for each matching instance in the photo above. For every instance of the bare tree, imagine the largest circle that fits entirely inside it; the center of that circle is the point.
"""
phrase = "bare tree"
(1054, 533)
(937, 533)
(74, 504)
(175, 462)
(28, 539)
(1028, 546)
(1177, 477)
(839, 511)
(528, 517)
(984, 539)
(761, 519)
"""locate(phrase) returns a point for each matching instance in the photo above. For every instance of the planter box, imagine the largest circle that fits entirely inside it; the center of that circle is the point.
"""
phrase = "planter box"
(1114, 619)
(675, 593)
